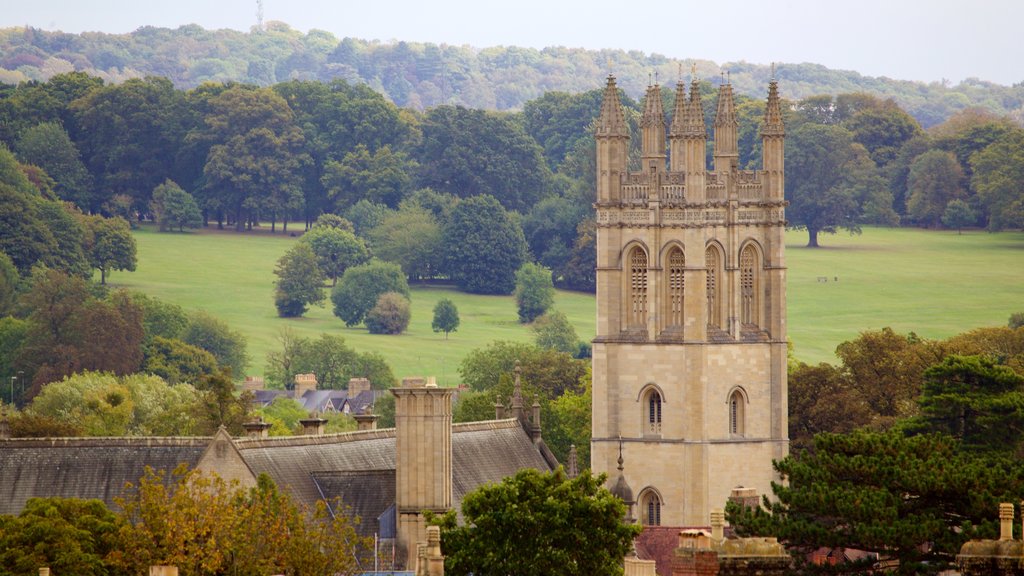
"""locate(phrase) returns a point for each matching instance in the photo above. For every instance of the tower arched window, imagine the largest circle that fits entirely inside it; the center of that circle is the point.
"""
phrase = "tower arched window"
(736, 413)
(650, 508)
(637, 288)
(676, 286)
(713, 260)
(750, 305)
(652, 402)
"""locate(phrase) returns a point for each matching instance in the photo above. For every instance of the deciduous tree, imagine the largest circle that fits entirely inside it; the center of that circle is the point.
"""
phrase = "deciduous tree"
(299, 282)
(446, 317)
(538, 523)
(484, 246)
(173, 208)
(361, 286)
(390, 315)
(534, 292)
(336, 250)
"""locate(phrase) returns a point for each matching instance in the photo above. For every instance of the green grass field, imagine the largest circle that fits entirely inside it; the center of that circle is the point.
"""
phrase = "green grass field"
(934, 283)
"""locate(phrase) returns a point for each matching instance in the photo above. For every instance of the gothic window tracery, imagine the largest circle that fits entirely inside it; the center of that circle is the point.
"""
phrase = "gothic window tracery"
(676, 286)
(713, 261)
(749, 287)
(650, 508)
(652, 412)
(637, 288)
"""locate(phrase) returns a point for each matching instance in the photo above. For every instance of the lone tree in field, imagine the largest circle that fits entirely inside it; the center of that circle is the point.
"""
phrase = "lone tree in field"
(535, 292)
(299, 282)
(446, 317)
(390, 315)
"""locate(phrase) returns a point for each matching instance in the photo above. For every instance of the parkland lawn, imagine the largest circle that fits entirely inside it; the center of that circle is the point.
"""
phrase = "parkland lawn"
(933, 283)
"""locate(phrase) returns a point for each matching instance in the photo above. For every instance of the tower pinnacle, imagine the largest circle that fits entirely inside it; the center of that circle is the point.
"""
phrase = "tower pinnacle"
(611, 122)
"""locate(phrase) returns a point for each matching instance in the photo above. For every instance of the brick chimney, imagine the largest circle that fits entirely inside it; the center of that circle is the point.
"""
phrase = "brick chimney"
(423, 459)
(746, 497)
(357, 385)
(252, 383)
(304, 382)
(256, 429)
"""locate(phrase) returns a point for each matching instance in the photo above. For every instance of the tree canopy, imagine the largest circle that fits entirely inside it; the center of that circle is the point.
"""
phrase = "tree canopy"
(538, 523)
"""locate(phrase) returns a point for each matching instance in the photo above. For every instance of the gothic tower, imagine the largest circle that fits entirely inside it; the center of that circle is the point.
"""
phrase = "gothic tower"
(689, 362)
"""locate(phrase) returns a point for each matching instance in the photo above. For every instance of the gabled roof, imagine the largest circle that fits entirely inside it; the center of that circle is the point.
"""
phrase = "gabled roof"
(85, 467)
(309, 467)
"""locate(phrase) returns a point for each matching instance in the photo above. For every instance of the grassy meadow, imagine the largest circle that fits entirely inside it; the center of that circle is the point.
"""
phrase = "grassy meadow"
(934, 283)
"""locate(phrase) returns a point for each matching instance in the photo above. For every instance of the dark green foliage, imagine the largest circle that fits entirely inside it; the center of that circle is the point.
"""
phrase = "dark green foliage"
(550, 229)
(361, 286)
(174, 208)
(977, 402)
(299, 282)
(998, 171)
(580, 522)
(817, 180)
(915, 499)
(330, 359)
(554, 332)
(534, 291)
(336, 249)
(366, 215)
(485, 246)
(112, 247)
(472, 152)
(48, 146)
(71, 237)
(390, 315)
(9, 279)
(68, 535)
(160, 318)
(958, 214)
(176, 361)
(1016, 320)
(446, 317)
(550, 372)
(382, 177)
(213, 335)
(410, 237)
(935, 179)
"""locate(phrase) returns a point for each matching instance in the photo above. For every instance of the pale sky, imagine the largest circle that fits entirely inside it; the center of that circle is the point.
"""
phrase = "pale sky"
(927, 40)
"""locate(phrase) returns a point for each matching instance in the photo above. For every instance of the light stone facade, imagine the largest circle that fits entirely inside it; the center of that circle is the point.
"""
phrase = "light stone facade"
(689, 362)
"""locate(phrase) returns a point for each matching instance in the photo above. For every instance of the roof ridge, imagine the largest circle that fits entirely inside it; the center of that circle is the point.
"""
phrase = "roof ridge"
(486, 425)
(99, 441)
(337, 438)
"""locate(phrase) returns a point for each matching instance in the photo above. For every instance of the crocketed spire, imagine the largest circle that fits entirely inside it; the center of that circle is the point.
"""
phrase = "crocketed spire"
(695, 112)
(653, 114)
(612, 121)
(680, 111)
(773, 112)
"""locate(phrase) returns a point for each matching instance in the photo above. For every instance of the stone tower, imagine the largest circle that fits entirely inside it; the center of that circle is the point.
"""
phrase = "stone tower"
(689, 362)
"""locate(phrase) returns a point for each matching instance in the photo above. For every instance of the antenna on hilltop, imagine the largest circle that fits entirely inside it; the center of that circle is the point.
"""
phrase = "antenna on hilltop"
(259, 15)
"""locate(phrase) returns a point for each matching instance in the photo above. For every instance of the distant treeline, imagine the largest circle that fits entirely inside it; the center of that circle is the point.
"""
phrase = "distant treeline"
(421, 76)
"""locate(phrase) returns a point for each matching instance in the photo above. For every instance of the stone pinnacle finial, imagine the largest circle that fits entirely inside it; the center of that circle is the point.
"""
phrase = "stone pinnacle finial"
(612, 121)
(620, 455)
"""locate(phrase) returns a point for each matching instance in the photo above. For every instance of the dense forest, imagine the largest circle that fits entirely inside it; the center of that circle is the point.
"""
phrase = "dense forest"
(421, 76)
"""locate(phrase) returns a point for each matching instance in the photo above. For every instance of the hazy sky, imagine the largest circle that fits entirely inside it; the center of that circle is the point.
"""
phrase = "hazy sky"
(927, 40)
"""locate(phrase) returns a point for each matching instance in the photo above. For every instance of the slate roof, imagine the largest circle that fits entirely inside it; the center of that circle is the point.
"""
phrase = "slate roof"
(85, 467)
(349, 465)
(365, 494)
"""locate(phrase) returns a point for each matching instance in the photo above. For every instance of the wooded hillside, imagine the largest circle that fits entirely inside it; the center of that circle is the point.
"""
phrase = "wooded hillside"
(421, 76)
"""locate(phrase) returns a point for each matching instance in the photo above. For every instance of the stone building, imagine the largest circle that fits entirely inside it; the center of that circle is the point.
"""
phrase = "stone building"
(387, 477)
(689, 362)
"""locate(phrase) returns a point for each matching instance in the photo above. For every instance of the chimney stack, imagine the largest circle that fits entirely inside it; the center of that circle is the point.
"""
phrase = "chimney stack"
(357, 386)
(304, 382)
(257, 428)
(313, 426)
(1006, 521)
(367, 420)
(252, 383)
(717, 525)
(423, 458)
